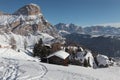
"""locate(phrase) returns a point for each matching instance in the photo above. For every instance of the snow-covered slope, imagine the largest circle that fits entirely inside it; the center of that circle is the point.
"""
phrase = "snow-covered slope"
(8, 19)
(27, 25)
(20, 66)
(12, 69)
(24, 28)
(80, 73)
(29, 40)
(12, 54)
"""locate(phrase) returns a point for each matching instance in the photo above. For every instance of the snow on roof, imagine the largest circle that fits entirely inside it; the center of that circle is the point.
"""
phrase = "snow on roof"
(102, 56)
(102, 59)
(61, 54)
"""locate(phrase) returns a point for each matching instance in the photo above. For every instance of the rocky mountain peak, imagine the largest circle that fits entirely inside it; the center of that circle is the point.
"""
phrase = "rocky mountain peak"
(30, 9)
(28, 20)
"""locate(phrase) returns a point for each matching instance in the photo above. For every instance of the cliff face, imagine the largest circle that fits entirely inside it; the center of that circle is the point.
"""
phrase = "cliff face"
(26, 20)
(30, 9)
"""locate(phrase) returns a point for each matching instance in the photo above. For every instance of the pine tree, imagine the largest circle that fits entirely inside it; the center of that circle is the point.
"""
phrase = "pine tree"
(37, 51)
(41, 50)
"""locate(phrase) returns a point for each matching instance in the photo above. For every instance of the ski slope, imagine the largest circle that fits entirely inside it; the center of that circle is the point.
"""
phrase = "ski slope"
(12, 69)
(20, 66)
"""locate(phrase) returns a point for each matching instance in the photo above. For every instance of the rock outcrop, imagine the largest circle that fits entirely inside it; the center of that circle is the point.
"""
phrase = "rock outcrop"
(30, 9)
(26, 20)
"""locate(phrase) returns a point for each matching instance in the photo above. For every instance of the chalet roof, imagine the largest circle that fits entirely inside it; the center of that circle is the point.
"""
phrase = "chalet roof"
(61, 54)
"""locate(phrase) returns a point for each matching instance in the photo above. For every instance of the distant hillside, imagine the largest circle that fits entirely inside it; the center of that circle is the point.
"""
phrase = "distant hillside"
(65, 29)
(107, 45)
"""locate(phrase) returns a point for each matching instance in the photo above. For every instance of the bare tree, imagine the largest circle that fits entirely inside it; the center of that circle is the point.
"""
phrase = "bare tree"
(25, 44)
(13, 43)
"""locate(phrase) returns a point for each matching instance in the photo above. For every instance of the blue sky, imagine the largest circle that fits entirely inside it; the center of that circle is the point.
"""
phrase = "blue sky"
(80, 12)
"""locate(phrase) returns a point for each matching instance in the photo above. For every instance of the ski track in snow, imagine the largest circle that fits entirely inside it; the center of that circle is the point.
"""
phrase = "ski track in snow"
(11, 69)
(42, 72)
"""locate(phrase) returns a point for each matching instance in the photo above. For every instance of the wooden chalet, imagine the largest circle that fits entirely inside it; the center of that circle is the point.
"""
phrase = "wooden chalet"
(59, 57)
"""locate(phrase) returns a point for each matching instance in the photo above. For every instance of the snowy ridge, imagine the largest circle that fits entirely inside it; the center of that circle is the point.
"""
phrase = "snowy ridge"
(7, 19)
(63, 32)
(117, 25)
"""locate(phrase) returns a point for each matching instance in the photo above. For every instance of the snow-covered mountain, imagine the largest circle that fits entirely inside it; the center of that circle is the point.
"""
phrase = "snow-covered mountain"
(26, 20)
(27, 24)
(65, 29)
(24, 28)
(102, 30)
(92, 30)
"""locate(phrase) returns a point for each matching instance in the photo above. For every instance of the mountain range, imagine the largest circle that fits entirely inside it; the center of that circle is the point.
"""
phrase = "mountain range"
(21, 30)
(99, 39)
(65, 29)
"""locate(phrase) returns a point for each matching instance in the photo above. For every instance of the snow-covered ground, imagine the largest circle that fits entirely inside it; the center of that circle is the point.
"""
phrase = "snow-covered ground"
(81, 73)
(12, 69)
(20, 40)
(19, 66)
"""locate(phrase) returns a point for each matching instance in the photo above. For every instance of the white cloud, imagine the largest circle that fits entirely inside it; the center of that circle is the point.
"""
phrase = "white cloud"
(111, 24)
(117, 25)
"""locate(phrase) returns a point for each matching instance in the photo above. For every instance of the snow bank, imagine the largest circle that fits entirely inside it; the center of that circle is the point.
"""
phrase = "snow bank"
(102, 60)
(85, 55)
(90, 58)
